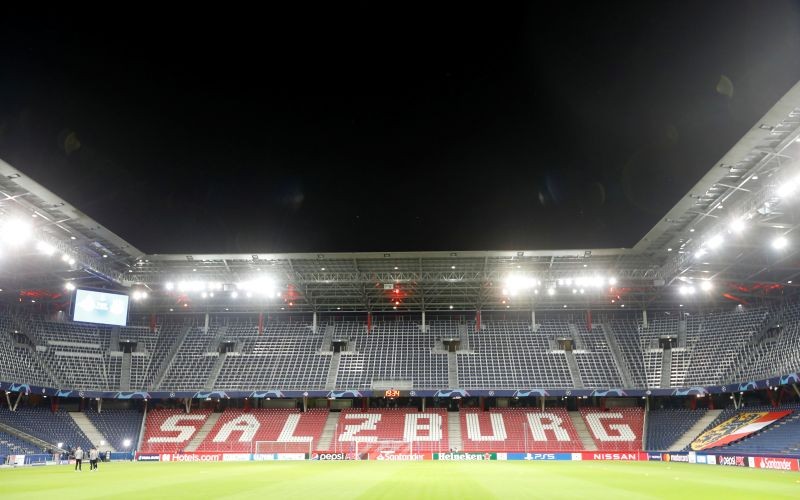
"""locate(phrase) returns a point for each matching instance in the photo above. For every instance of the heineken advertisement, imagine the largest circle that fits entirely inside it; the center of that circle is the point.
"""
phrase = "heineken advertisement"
(464, 457)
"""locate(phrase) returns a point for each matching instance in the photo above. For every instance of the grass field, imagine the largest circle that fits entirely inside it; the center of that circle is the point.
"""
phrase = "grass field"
(379, 480)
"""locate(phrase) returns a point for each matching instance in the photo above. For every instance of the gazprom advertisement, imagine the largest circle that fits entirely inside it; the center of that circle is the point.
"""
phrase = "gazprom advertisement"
(100, 307)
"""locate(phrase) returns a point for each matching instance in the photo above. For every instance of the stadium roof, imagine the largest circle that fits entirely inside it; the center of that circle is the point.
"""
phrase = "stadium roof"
(732, 237)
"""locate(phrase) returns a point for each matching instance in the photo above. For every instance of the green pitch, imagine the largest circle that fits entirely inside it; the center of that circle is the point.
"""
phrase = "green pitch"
(406, 480)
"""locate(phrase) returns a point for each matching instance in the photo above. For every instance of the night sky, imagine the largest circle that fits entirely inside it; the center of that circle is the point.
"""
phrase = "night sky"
(404, 126)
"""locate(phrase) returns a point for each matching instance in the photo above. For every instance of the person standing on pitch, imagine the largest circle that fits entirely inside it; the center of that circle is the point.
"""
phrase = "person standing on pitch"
(78, 459)
(93, 455)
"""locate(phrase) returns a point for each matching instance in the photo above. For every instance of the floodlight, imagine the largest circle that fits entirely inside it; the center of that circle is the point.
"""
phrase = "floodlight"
(16, 232)
(699, 253)
(551, 291)
(715, 241)
(69, 286)
(60, 445)
(234, 295)
(780, 243)
(706, 286)
(45, 248)
(126, 443)
(612, 281)
(169, 285)
(737, 225)
(788, 188)
(71, 261)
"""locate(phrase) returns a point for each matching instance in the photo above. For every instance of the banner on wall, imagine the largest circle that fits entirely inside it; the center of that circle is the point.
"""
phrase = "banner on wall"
(534, 456)
(737, 427)
(599, 455)
(464, 457)
(773, 463)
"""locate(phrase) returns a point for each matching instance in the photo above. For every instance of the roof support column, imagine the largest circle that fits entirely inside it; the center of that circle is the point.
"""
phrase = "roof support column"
(644, 318)
(424, 329)
(314, 322)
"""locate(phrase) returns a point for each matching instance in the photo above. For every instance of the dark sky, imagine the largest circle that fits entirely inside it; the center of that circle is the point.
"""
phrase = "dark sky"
(403, 126)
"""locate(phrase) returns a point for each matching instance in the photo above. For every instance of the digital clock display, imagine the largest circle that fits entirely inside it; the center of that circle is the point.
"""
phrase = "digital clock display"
(392, 393)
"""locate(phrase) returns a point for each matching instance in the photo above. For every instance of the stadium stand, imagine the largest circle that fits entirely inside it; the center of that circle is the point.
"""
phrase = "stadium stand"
(509, 354)
(665, 427)
(777, 352)
(594, 358)
(18, 361)
(11, 445)
(518, 429)
(51, 426)
(171, 430)
(192, 363)
(782, 437)
(713, 342)
(238, 430)
(630, 344)
(117, 426)
(286, 356)
(617, 429)
(392, 351)
(426, 430)
(76, 353)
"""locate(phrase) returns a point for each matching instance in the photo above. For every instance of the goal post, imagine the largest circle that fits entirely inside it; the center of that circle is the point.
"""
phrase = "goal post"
(281, 450)
(384, 448)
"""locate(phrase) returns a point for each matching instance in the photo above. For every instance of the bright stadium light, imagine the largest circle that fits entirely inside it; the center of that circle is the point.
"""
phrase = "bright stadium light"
(60, 445)
(16, 232)
(788, 188)
(706, 286)
(551, 291)
(169, 286)
(517, 283)
(69, 286)
(686, 290)
(262, 286)
(612, 281)
(126, 443)
(715, 241)
(699, 253)
(71, 261)
(65, 258)
(45, 248)
(780, 243)
(737, 225)
(234, 295)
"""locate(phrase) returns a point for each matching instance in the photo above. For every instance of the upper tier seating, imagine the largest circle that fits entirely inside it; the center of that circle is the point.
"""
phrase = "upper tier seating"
(511, 355)
(285, 356)
(594, 358)
(392, 351)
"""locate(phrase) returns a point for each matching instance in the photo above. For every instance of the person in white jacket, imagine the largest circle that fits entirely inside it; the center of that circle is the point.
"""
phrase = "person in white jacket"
(78, 459)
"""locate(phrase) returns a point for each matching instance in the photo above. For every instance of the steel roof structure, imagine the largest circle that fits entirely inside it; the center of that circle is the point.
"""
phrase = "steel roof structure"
(724, 231)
